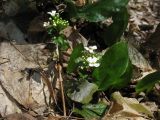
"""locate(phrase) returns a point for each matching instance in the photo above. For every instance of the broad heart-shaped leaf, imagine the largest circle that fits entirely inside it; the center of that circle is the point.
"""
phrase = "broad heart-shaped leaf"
(148, 82)
(77, 52)
(97, 11)
(85, 92)
(100, 11)
(118, 82)
(90, 111)
(115, 69)
(111, 34)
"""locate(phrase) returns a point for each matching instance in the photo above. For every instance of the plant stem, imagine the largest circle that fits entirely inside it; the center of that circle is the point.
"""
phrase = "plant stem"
(60, 79)
(62, 89)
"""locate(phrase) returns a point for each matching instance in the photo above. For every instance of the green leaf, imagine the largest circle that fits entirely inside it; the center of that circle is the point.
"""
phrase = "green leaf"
(111, 34)
(100, 11)
(125, 78)
(85, 92)
(87, 114)
(61, 42)
(118, 82)
(97, 11)
(115, 69)
(115, 61)
(77, 52)
(96, 108)
(91, 111)
(148, 82)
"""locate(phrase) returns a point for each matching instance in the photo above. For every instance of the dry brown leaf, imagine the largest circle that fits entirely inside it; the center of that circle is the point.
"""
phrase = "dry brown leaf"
(127, 108)
(24, 88)
(18, 116)
(74, 36)
(137, 59)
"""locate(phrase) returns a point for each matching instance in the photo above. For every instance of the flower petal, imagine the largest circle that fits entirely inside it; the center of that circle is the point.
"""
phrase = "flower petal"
(52, 13)
(93, 47)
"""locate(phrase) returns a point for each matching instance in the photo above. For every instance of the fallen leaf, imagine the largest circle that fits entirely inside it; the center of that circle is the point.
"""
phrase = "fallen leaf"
(137, 59)
(127, 108)
(85, 92)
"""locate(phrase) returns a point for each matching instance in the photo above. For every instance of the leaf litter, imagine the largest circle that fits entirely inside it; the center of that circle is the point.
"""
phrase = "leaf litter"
(11, 76)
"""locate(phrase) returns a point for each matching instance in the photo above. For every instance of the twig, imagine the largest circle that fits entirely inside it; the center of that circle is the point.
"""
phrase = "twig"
(106, 97)
(59, 69)
(60, 79)
(19, 51)
(49, 85)
(69, 116)
(4, 62)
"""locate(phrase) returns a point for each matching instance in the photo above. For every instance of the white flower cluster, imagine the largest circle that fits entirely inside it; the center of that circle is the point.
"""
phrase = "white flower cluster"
(93, 61)
(55, 21)
(52, 13)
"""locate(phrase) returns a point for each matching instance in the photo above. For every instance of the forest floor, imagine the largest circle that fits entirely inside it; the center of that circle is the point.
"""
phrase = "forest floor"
(27, 68)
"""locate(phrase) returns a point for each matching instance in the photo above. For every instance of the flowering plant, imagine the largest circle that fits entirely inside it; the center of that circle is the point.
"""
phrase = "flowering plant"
(89, 58)
(54, 26)
(88, 70)
(55, 23)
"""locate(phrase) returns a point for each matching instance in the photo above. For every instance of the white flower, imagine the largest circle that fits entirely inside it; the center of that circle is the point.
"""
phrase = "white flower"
(86, 48)
(52, 13)
(91, 48)
(94, 64)
(45, 24)
(92, 59)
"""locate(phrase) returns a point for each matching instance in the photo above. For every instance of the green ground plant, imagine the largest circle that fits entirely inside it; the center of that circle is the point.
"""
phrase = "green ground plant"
(96, 71)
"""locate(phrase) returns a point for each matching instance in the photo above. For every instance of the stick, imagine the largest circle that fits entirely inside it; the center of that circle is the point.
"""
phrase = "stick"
(59, 68)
